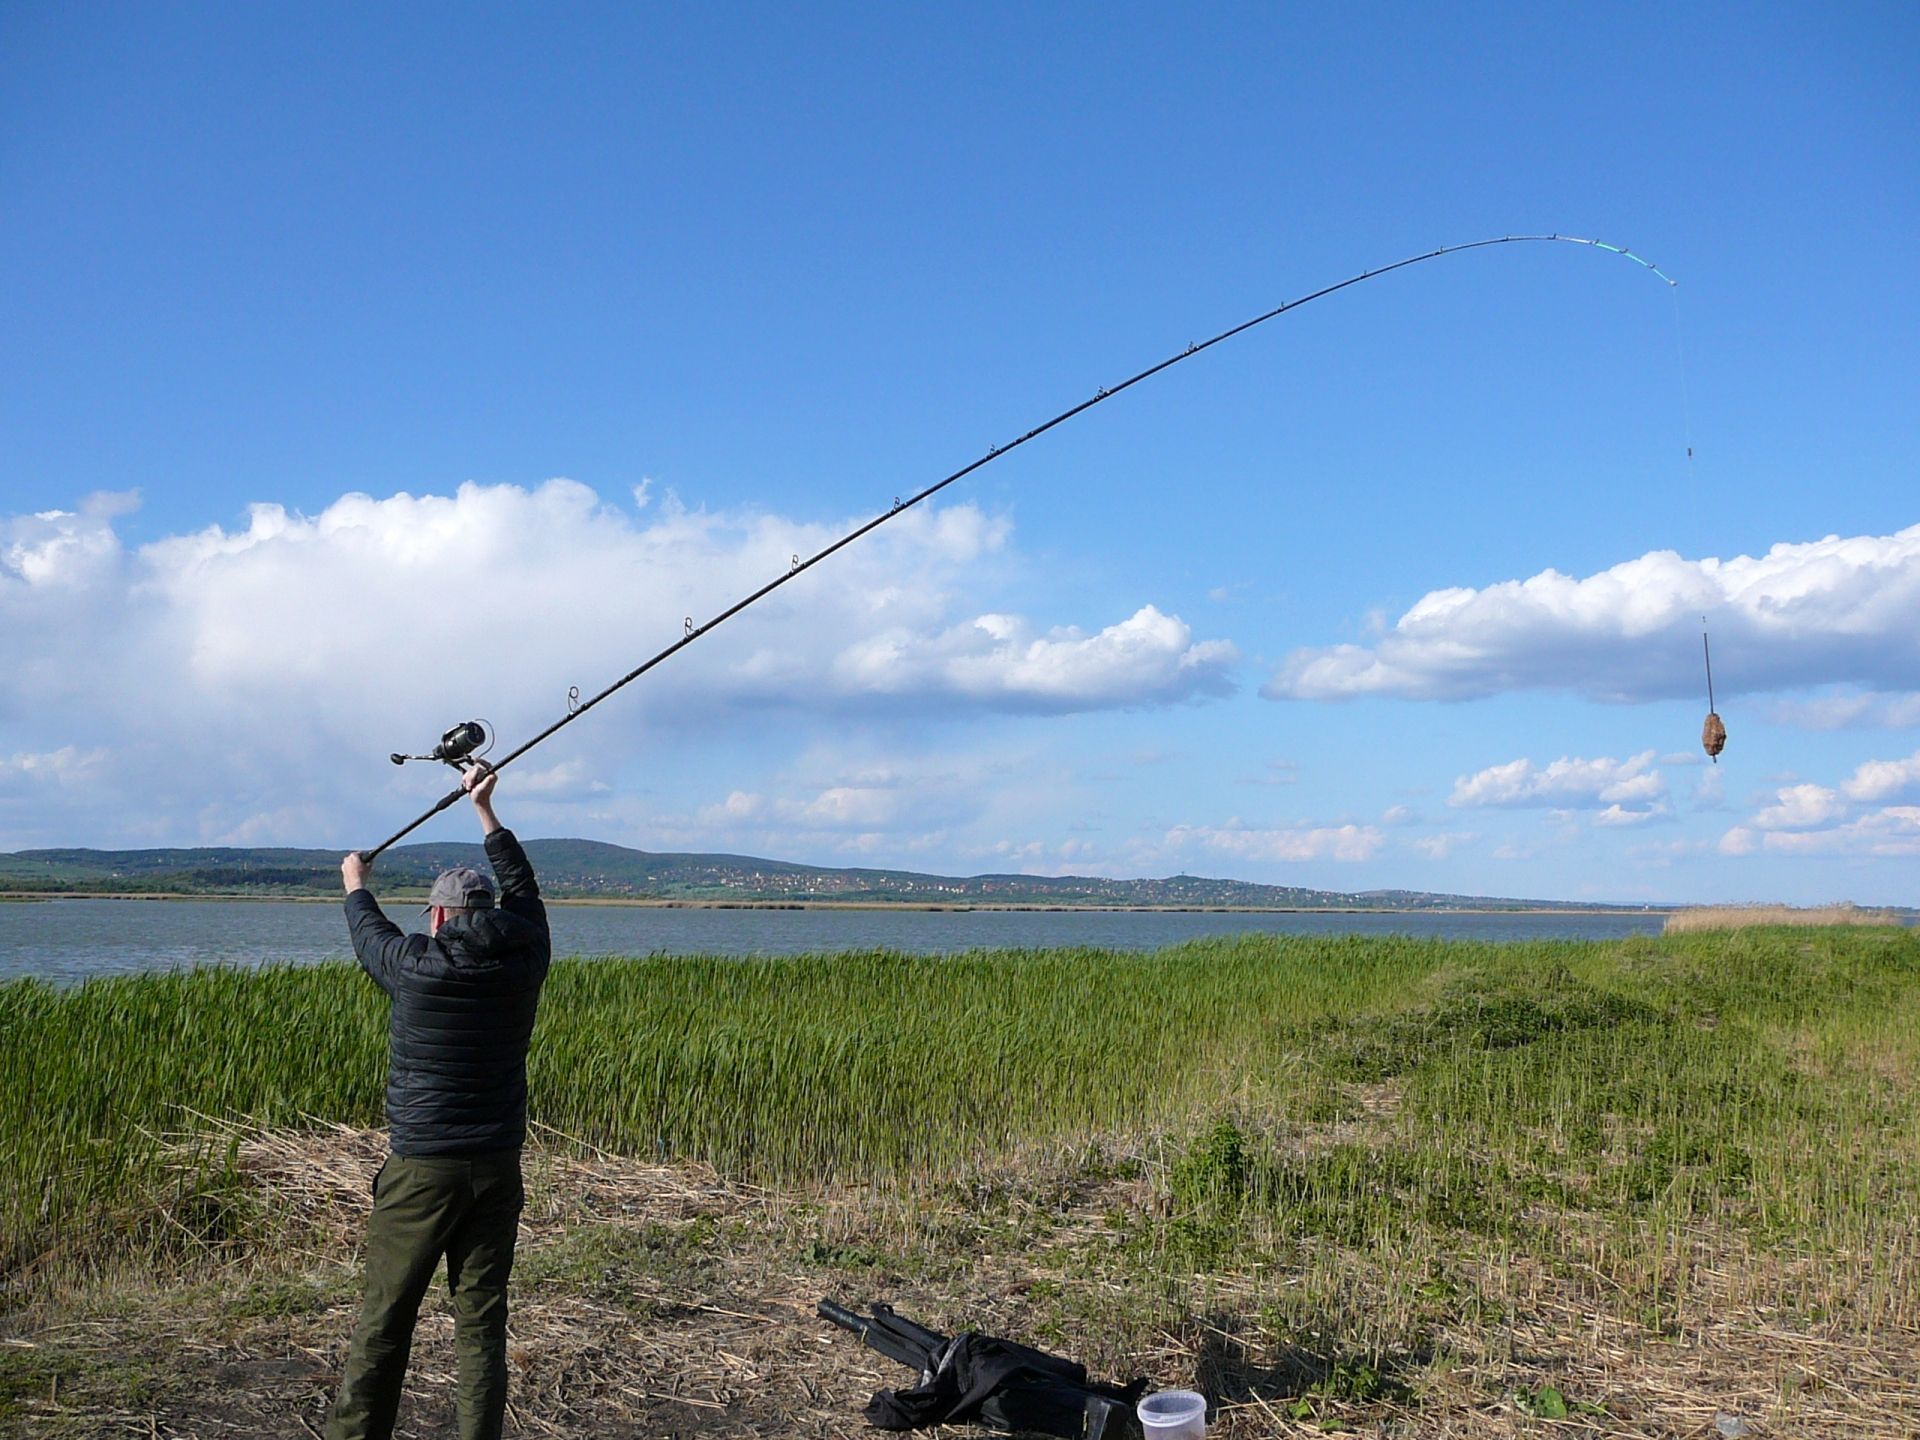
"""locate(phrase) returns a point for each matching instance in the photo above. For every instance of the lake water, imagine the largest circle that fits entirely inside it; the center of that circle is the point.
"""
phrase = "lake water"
(69, 940)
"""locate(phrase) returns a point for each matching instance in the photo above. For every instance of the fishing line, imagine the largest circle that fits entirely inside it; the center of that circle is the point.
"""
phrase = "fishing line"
(1680, 351)
(1707, 650)
(692, 632)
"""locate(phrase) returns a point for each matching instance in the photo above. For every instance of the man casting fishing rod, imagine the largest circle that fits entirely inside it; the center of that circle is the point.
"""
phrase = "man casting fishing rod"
(464, 996)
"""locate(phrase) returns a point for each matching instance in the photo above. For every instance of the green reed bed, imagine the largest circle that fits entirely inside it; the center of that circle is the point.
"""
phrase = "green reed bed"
(884, 1065)
(1414, 1113)
(854, 1065)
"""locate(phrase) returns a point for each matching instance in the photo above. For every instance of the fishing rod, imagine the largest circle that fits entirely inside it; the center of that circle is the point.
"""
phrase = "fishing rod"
(458, 745)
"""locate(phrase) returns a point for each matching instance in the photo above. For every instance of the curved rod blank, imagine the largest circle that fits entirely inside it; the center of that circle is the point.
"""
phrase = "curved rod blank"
(801, 566)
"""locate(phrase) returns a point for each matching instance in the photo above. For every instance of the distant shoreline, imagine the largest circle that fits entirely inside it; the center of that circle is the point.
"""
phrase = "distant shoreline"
(643, 903)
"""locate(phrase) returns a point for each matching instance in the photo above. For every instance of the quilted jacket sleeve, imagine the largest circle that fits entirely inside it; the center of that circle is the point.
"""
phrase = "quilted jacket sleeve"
(378, 943)
(519, 890)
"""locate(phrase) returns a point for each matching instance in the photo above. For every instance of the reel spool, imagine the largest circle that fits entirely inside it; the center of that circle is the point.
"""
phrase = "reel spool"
(463, 745)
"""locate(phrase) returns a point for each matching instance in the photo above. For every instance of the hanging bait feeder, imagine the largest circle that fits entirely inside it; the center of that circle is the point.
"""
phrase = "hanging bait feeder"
(1713, 733)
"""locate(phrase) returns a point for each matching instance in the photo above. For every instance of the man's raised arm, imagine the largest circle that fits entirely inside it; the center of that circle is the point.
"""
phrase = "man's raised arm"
(378, 943)
(519, 891)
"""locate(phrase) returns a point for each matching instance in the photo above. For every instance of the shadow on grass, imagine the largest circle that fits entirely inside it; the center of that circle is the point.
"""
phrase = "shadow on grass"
(1302, 1374)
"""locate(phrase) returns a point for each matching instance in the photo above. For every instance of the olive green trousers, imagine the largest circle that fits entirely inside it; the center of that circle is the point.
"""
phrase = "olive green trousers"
(425, 1207)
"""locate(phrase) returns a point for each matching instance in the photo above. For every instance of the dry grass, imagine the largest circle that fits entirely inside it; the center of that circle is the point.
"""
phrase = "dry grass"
(661, 1301)
(1743, 917)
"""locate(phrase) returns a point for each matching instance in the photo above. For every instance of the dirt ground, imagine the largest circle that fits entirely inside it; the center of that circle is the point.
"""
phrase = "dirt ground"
(659, 1302)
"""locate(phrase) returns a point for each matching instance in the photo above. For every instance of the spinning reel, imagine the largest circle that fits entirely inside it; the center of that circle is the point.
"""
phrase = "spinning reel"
(460, 747)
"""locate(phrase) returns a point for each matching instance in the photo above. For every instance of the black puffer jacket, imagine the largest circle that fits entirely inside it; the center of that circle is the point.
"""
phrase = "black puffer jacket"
(463, 1009)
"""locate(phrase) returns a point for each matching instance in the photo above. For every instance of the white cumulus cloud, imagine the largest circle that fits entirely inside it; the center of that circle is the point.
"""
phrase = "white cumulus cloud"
(65, 766)
(1618, 815)
(1442, 845)
(62, 549)
(1147, 658)
(1625, 791)
(1878, 780)
(845, 795)
(1848, 711)
(1831, 611)
(1801, 807)
(232, 670)
(1852, 819)
(1326, 842)
(1892, 831)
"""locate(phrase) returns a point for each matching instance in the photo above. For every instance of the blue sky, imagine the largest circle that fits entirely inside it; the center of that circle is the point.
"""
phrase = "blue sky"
(367, 368)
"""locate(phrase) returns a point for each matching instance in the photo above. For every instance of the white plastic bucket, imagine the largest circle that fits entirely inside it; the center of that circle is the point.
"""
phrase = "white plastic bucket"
(1174, 1415)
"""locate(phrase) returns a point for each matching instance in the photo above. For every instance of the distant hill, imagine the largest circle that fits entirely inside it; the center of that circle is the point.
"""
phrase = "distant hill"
(591, 869)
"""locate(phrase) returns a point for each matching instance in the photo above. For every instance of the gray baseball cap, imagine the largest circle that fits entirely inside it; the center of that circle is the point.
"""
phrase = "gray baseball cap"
(461, 888)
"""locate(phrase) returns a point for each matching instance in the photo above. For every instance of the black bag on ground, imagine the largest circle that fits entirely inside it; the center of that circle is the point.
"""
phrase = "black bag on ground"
(998, 1383)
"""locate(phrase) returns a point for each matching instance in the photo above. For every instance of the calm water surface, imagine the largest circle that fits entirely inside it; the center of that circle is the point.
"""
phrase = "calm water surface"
(69, 940)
